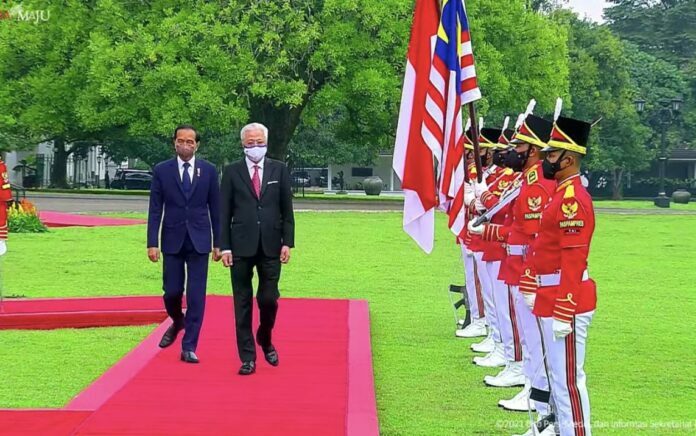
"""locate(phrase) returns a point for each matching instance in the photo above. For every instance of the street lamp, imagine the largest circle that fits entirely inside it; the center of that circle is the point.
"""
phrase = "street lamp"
(665, 117)
(99, 162)
(640, 105)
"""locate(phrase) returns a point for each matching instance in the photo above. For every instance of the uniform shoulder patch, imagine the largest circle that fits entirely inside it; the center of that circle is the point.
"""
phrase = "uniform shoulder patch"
(508, 171)
(532, 177)
(569, 192)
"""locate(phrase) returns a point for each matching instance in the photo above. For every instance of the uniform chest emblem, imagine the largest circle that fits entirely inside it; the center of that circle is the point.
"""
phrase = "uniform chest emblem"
(570, 210)
(534, 203)
(503, 184)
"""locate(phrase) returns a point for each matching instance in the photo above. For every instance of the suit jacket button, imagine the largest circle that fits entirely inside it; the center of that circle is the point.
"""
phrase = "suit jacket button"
(258, 222)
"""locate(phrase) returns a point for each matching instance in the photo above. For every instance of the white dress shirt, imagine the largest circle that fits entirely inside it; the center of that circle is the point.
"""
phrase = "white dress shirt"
(250, 165)
(181, 163)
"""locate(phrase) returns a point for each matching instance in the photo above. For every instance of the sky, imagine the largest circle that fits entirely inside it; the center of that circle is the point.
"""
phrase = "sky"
(590, 8)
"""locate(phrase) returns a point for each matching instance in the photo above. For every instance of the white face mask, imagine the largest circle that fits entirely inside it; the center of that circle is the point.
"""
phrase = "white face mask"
(255, 154)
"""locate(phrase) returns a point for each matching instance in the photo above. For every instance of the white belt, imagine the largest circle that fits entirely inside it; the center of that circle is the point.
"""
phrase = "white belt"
(516, 250)
(554, 279)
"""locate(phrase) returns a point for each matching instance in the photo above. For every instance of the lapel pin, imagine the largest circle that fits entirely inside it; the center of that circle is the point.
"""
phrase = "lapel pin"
(199, 172)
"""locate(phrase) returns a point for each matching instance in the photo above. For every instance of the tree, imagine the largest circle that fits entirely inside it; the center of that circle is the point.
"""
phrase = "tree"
(41, 70)
(601, 87)
(546, 5)
(511, 70)
(284, 63)
(520, 54)
(665, 30)
(220, 66)
(124, 74)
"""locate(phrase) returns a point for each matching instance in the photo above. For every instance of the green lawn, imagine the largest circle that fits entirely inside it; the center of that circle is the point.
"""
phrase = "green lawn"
(47, 368)
(641, 204)
(640, 366)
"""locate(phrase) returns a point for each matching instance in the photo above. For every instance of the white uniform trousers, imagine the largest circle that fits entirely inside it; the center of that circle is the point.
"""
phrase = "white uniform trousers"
(505, 313)
(471, 285)
(533, 365)
(566, 363)
(487, 292)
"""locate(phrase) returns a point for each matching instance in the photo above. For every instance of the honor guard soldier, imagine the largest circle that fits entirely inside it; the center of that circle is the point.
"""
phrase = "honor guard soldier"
(494, 255)
(492, 345)
(565, 300)
(477, 327)
(534, 193)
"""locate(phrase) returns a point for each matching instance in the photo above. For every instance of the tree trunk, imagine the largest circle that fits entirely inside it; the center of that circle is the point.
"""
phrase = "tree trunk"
(60, 164)
(617, 184)
(281, 122)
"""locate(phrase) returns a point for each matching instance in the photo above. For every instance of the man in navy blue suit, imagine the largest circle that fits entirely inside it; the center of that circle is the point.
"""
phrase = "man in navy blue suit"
(186, 191)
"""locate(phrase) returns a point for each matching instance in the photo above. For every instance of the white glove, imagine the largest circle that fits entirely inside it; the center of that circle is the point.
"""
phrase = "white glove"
(479, 206)
(3, 247)
(469, 253)
(474, 229)
(469, 194)
(529, 299)
(561, 329)
(480, 188)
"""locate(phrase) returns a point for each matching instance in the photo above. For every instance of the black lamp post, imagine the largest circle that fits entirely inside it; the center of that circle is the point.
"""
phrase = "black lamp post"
(664, 116)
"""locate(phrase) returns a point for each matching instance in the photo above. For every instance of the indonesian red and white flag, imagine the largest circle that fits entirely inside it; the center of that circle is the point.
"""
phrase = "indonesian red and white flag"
(413, 159)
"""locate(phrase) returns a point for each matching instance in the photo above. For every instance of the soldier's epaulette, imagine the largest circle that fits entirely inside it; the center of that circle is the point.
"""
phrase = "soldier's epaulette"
(564, 185)
(533, 176)
(508, 171)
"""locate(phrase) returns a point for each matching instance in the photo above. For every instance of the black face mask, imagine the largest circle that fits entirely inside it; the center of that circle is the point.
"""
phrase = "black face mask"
(516, 161)
(499, 158)
(550, 169)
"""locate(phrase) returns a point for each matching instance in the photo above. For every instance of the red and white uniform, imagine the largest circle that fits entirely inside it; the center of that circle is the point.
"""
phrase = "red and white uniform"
(566, 293)
(559, 254)
(494, 255)
(5, 196)
(518, 231)
(473, 284)
(485, 278)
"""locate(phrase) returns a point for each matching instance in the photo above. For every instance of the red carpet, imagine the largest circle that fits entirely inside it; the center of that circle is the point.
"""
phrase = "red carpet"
(51, 313)
(40, 422)
(61, 219)
(323, 385)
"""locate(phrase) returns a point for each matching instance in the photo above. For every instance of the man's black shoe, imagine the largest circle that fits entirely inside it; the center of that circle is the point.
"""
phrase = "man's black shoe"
(189, 357)
(247, 368)
(271, 355)
(170, 335)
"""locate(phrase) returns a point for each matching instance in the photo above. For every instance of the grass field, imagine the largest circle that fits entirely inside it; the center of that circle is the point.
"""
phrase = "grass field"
(641, 368)
(47, 368)
(641, 204)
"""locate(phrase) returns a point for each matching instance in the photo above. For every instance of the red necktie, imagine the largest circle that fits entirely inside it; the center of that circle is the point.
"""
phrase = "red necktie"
(256, 181)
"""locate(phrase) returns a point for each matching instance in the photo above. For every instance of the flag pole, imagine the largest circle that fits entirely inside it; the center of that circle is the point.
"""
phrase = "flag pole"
(475, 140)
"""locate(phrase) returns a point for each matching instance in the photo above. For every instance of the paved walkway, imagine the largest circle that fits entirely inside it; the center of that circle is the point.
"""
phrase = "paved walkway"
(95, 203)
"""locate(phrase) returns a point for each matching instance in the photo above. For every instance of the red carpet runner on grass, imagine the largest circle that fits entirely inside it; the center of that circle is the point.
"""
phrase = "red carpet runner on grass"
(323, 385)
(61, 219)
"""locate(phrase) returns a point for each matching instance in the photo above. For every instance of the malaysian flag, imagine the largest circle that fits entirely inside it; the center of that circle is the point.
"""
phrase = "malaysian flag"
(454, 84)
(440, 78)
